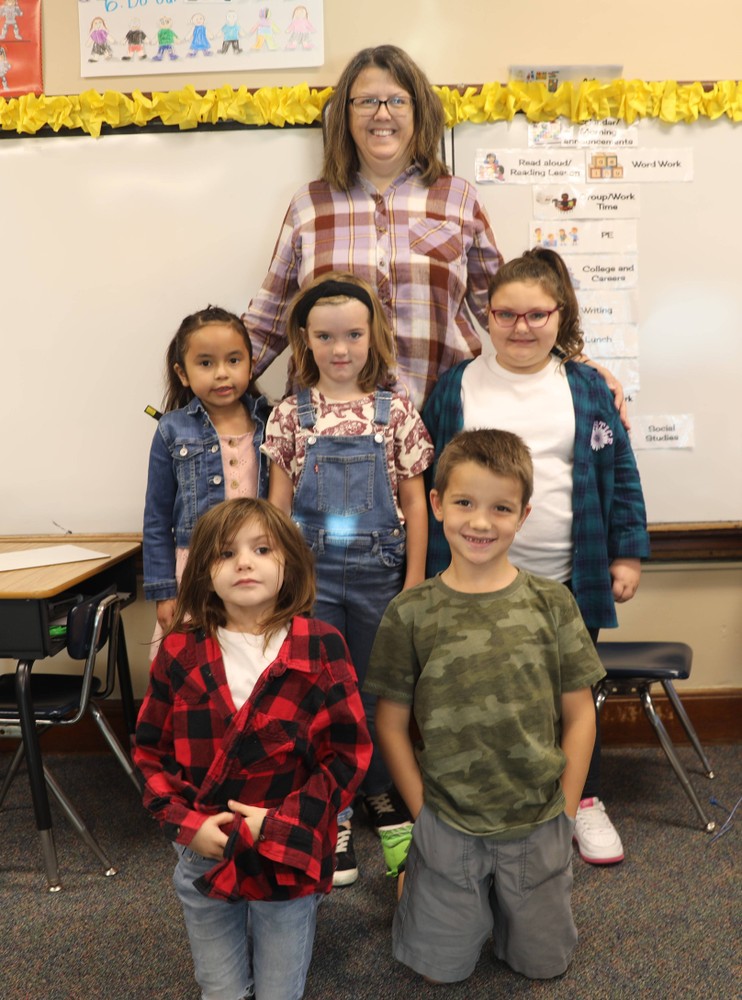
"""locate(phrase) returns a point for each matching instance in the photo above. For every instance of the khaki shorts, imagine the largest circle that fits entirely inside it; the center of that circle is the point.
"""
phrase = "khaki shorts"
(459, 889)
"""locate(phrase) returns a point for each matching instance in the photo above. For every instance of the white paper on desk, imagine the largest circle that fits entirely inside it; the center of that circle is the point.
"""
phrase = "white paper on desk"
(50, 555)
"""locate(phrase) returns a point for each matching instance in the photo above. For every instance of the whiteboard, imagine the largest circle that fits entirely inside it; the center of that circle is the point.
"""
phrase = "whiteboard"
(109, 243)
(690, 304)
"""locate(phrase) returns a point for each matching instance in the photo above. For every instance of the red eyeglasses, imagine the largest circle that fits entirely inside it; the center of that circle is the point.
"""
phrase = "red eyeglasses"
(535, 318)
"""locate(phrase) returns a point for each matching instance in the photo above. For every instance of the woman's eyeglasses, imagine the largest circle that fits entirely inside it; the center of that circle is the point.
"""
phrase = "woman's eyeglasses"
(366, 107)
(535, 318)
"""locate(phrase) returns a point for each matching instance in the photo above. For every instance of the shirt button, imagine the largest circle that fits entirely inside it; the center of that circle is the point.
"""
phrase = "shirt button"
(378, 438)
(217, 480)
(312, 439)
(183, 452)
(233, 461)
(234, 484)
(214, 448)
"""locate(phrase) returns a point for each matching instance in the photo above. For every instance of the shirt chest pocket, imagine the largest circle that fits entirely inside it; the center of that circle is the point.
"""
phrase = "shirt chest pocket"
(268, 744)
(345, 484)
(188, 458)
(437, 239)
(192, 713)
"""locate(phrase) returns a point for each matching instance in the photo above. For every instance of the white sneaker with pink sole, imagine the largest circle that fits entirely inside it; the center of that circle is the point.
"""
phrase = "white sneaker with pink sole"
(597, 839)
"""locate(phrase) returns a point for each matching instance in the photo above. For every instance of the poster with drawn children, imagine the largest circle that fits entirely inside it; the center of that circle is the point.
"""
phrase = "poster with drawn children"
(132, 37)
(20, 48)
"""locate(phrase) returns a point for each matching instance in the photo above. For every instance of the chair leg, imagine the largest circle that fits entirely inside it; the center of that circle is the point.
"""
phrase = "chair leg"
(124, 678)
(688, 726)
(113, 742)
(11, 772)
(667, 746)
(49, 853)
(35, 768)
(76, 820)
(599, 694)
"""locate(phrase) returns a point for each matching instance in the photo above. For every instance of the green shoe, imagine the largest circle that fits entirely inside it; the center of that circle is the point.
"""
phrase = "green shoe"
(396, 845)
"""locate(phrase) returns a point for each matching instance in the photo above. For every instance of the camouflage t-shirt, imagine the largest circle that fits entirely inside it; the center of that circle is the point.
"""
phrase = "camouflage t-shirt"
(484, 674)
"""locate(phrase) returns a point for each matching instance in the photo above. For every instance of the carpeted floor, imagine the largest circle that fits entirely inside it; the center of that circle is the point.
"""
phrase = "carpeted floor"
(664, 924)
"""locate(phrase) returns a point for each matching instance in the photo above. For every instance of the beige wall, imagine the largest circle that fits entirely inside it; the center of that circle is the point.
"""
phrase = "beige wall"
(473, 43)
(697, 603)
(470, 42)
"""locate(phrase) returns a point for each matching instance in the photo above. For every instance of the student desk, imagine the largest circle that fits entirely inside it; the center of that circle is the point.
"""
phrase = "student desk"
(29, 600)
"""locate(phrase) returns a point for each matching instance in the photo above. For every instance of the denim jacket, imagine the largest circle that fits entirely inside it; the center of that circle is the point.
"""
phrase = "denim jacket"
(185, 479)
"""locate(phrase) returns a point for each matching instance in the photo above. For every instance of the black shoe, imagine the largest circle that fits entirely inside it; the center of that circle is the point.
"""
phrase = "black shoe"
(346, 869)
(387, 810)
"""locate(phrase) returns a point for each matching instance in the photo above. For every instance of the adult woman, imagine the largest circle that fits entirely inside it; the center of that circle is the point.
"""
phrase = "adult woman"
(387, 209)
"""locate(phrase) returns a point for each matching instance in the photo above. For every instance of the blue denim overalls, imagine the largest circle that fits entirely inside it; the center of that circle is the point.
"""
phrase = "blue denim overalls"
(344, 505)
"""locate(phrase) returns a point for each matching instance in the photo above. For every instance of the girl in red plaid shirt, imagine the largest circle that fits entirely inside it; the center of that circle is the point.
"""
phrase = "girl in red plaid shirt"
(251, 739)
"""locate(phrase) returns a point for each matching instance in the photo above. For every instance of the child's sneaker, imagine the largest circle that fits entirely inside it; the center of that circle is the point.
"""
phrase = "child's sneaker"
(396, 846)
(597, 839)
(346, 869)
(387, 810)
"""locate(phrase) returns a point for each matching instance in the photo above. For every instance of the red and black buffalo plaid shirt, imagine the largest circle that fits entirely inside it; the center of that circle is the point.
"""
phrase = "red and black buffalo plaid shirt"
(298, 747)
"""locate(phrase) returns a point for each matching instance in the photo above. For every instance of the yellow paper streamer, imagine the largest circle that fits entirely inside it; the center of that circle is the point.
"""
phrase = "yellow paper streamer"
(626, 100)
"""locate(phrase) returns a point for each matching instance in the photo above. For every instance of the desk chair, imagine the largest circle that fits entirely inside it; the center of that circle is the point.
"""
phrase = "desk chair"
(632, 668)
(30, 704)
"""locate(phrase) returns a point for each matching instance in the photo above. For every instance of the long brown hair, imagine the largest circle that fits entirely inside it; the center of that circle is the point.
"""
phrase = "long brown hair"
(381, 354)
(341, 161)
(547, 269)
(198, 606)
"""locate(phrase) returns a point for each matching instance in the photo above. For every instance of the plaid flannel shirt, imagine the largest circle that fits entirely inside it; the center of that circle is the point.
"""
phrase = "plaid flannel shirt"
(298, 747)
(428, 251)
(609, 517)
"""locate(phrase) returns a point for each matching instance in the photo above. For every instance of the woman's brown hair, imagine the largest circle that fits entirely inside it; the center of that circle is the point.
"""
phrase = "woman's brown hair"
(198, 606)
(341, 161)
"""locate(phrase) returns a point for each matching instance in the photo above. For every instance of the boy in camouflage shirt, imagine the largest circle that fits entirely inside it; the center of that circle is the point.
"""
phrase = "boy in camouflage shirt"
(498, 667)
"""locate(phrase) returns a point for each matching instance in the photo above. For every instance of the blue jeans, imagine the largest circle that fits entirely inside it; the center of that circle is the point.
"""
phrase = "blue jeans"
(356, 579)
(257, 943)
(347, 512)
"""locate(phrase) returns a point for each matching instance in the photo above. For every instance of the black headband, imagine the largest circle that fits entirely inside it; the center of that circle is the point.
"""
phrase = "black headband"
(327, 290)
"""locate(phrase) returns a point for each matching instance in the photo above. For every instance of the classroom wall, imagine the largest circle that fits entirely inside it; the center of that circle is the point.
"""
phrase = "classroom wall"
(471, 42)
(697, 603)
(474, 43)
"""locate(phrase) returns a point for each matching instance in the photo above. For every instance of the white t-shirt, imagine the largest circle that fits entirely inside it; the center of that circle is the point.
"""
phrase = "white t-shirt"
(538, 407)
(245, 660)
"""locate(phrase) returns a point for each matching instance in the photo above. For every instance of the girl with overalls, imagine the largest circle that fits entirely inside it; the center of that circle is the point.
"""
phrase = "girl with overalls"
(347, 458)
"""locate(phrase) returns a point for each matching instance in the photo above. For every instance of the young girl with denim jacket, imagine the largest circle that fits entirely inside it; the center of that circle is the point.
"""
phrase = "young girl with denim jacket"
(250, 739)
(206, 447)
(347, 458)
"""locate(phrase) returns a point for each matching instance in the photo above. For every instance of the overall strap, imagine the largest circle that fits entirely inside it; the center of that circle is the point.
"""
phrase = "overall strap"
(307, 418)
(382, 406)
